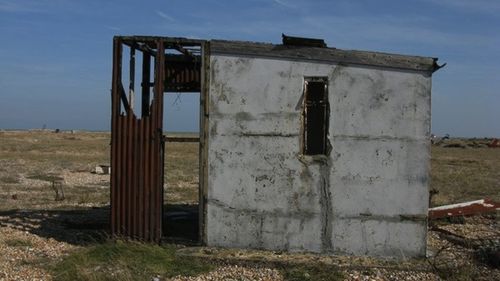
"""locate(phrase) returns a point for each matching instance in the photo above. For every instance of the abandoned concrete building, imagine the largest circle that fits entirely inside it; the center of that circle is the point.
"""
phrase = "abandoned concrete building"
(303, 147)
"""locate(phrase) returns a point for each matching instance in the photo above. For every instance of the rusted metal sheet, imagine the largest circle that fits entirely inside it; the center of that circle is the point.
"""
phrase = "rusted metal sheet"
(137, 142)
(464, 209)
(494, 143)
(136, 156)
(182, 73)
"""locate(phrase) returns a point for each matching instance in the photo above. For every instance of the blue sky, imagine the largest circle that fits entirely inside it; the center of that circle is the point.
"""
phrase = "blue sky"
(55, 55)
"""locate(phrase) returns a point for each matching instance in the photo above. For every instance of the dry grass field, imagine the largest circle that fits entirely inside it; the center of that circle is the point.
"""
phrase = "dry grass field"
(31, 160)
(45, 238)
(462, 174)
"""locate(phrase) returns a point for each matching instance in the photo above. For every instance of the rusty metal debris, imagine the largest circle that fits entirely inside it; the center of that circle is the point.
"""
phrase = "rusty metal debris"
(494, 143)
(137, 142)
(464, 209)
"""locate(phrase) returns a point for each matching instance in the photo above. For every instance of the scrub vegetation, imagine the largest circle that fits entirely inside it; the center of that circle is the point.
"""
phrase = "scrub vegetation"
(122, 260)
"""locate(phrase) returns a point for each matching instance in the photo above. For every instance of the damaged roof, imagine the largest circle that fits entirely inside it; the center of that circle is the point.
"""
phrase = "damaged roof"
(324, 54)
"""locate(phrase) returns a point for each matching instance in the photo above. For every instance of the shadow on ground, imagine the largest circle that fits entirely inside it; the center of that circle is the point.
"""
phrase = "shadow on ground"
(180, 223)
(86, 226)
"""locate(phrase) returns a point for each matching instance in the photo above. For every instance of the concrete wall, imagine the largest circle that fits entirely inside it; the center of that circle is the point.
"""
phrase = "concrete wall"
(368, 197)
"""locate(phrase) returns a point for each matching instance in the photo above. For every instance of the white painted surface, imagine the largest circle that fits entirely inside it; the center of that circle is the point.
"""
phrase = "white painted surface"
(460, 205)
(262, 193)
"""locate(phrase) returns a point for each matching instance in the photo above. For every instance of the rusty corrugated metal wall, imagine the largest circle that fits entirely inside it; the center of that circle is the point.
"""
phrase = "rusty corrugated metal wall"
(137, 155)
(182, 75)
(137, 142)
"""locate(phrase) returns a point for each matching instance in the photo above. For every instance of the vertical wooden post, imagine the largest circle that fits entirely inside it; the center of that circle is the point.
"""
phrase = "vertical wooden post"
(203, 145)
(160, 77)
(115, 136)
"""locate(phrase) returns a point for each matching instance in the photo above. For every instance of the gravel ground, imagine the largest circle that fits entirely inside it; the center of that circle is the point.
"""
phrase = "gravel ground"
(241, 273)
(69, 179)
(383, 275)
(475, 228)
(22, 253)
(24, 256)
(84, 179)
(235, 272)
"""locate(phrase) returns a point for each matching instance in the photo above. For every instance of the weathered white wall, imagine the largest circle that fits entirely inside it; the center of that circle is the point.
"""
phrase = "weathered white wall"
(369, 196)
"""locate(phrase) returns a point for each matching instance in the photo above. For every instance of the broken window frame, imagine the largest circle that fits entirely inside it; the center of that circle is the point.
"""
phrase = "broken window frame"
(319, 145)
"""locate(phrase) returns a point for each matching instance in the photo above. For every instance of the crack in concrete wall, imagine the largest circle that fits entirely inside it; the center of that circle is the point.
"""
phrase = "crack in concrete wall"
(325, 201)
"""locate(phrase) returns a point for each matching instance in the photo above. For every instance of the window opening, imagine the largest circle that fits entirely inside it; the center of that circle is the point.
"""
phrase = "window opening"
(315, 116)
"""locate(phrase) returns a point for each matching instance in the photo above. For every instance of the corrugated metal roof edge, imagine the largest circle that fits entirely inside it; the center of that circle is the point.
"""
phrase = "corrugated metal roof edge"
(354, 57)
